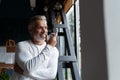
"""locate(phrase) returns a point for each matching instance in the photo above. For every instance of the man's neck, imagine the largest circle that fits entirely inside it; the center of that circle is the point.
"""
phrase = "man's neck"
(38, 42)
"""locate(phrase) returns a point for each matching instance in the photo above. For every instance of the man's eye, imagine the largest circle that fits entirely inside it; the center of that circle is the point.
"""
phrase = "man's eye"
(39, 27)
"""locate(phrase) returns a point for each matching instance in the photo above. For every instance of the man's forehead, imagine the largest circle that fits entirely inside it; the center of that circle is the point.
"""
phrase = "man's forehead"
(41, 23)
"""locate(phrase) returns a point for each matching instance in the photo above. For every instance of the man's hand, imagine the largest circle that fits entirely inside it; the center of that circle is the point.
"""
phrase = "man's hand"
(52, 39)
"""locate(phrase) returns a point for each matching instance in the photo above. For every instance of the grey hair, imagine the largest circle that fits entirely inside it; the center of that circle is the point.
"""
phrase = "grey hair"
(33, 19)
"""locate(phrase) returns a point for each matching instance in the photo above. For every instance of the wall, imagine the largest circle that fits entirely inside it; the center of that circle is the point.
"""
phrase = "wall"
(14, 16)
(93, 46)
(112, 29)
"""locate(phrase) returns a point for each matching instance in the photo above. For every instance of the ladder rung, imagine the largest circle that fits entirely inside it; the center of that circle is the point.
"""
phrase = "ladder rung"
(67, 58)
(60, 26)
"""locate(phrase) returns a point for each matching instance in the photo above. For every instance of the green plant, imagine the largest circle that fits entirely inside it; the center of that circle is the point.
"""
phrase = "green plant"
(5, 76)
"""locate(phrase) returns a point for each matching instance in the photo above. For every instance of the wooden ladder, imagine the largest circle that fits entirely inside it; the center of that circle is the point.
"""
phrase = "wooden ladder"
(67, 59)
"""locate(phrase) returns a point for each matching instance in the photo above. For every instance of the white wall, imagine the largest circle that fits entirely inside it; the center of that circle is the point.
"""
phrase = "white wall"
(112, 29)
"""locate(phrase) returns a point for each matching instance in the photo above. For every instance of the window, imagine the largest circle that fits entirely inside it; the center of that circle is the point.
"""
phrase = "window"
(73, 19)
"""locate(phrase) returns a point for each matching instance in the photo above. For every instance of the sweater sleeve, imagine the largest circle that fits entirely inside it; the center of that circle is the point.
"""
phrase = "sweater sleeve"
(50, 72)
(31, 65)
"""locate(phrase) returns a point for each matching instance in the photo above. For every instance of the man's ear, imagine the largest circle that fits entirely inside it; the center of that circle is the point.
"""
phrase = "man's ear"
(31, 32)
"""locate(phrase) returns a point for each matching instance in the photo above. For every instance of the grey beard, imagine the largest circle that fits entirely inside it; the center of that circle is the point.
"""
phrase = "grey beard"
(38, 38)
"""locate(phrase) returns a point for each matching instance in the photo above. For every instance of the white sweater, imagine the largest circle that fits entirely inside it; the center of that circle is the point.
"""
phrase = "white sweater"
(38, 62)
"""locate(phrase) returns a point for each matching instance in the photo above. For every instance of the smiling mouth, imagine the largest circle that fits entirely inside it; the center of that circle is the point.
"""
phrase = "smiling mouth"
(39, 37)
(43, 35)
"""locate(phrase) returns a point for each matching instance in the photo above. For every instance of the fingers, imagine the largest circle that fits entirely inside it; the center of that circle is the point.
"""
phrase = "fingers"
(52, 39)
(56, 31)
(56, 34)
(52, 35)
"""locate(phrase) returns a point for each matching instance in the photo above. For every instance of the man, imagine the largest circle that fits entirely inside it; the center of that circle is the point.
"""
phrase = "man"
(36, 59)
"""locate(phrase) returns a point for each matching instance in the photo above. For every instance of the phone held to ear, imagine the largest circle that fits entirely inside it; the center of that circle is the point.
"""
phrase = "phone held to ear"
(53, 33)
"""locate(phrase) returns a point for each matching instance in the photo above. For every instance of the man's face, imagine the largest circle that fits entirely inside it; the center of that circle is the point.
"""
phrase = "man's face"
(41, 30)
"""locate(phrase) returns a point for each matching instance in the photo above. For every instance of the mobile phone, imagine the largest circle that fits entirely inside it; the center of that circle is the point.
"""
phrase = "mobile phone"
(54, 32)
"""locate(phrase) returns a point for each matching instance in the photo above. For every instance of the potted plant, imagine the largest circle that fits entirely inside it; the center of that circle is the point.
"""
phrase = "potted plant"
(4, 76)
